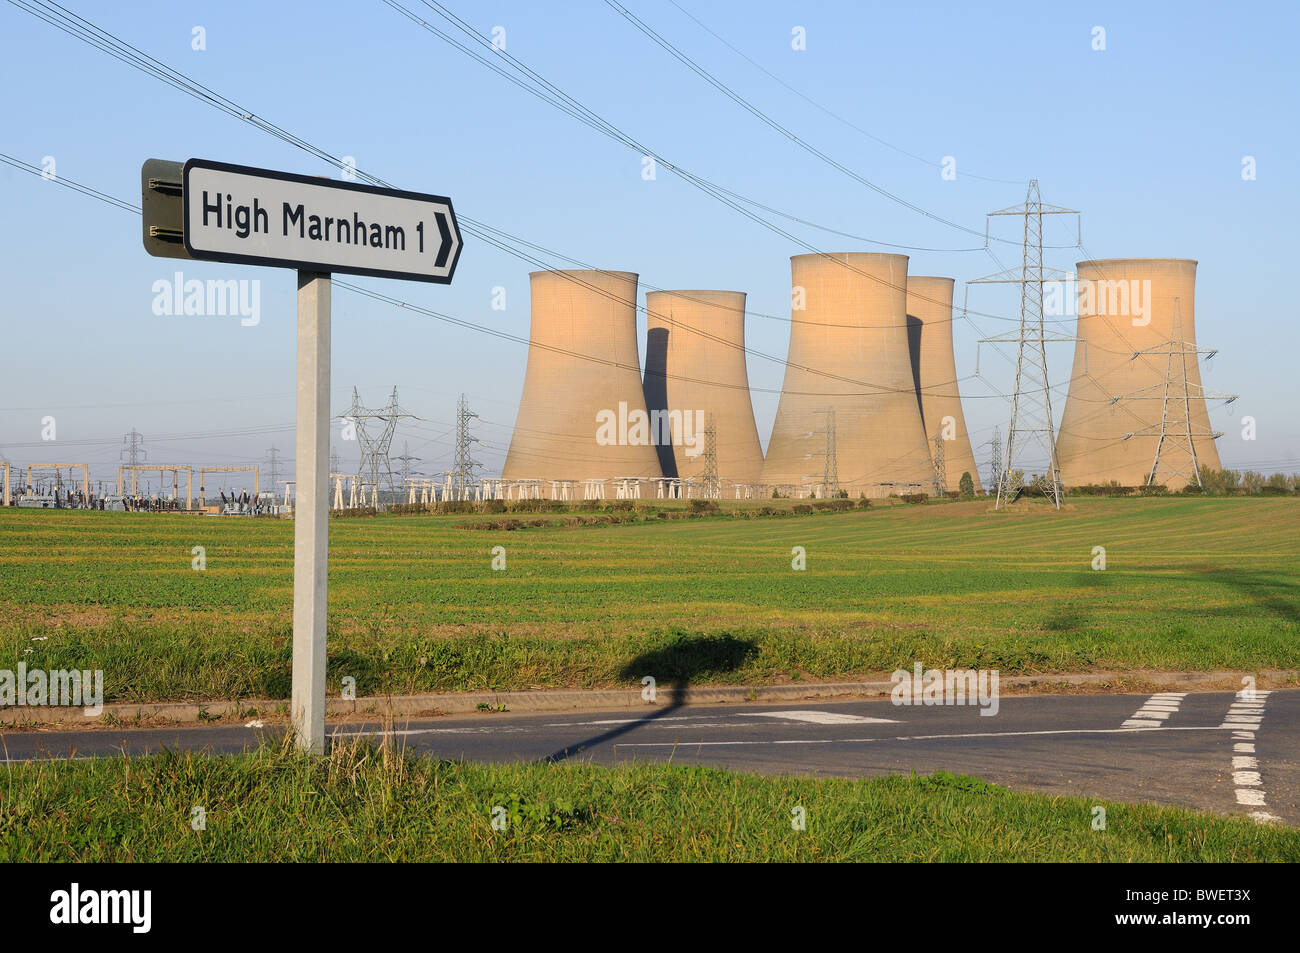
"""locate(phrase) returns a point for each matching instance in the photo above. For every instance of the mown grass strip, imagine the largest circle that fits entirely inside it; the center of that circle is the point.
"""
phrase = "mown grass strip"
(366, 803)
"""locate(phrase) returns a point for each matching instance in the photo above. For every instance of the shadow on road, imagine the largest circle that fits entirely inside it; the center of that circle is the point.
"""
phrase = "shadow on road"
(676, 664)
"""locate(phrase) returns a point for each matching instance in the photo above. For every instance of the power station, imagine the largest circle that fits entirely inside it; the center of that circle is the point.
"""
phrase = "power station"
(870, 403)
(1134, 315)
(850, 354)
(695, 365)
(934, 369)
(582, 428)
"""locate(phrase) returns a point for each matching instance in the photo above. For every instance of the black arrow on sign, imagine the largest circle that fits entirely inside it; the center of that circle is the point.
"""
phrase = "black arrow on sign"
(444, 231)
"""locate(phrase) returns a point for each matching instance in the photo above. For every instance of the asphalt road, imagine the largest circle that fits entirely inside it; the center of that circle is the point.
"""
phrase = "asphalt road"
(1216, 752)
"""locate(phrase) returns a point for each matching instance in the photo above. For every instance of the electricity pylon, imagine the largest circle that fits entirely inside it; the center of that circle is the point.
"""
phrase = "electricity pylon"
(375, 468)
(1176, 393)
(462, 471)
(995, 456)
(274, 464)
(406, 461)
(940, 467)
(1031, 400)
(830, 462)
(712, 482)
(133, 448)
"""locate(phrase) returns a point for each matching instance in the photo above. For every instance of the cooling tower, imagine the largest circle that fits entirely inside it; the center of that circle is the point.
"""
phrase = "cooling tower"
(849, 351)
(934, 369)
(695, 366)
(579, 416)
(1127, 305)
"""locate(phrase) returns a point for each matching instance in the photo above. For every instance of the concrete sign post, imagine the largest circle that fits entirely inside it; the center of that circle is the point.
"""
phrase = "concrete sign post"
(213, 211)
(311, 515)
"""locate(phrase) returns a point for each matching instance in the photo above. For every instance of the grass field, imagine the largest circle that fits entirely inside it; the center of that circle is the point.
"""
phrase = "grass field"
(362, 804)
(1190, 583)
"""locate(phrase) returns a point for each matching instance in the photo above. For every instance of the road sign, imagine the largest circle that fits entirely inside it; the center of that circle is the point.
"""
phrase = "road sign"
(215, 211)
(160, 201)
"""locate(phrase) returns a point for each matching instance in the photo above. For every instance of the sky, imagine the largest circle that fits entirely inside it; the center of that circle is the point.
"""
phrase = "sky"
(1147, 137)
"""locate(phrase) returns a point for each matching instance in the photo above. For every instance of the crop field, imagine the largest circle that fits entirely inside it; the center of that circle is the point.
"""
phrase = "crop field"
(1188, 584)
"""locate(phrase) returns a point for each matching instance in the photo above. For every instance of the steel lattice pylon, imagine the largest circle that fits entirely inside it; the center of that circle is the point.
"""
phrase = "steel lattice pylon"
(406, 460)
(1175, 431)
(462, 471)
(830, 461)
(995, 456)
(1031, 401)
(374, 468)
(712, 482)
(940, 467)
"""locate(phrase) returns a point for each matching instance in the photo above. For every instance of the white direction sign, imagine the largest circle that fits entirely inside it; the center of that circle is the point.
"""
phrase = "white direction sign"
(258, 217)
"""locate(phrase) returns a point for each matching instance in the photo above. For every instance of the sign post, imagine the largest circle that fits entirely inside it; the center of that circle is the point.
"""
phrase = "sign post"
(214, 211)
(311, 515)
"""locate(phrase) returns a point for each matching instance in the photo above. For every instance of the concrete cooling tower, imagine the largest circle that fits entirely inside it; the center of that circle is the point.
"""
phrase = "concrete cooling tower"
(580, 418)
(852, 328)
(695, 366)
(934, 368)
(1127, 305)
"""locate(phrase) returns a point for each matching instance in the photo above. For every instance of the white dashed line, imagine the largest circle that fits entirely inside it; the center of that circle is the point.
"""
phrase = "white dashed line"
(1244, 718)
(1156, 711)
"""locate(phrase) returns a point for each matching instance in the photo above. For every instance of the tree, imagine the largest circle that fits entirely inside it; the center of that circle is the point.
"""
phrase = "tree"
(966, 486)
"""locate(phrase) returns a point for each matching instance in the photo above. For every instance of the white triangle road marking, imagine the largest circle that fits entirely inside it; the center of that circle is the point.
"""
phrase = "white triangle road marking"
(825, 717)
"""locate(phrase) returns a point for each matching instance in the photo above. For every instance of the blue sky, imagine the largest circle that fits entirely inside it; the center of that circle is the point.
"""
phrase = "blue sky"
(1146, 138)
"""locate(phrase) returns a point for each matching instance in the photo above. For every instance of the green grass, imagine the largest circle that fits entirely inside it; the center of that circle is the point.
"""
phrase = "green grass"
(366, 804)
(1191, 584)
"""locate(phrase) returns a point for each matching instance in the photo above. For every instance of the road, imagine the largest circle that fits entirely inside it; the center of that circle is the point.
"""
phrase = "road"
(1215, 752)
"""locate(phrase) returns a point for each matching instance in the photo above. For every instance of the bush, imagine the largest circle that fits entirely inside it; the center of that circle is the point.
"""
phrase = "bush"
(1112, 488)
(966, 486)
(355, 511)
(915, 497)
(802, 509)
(703, 506)
(407, 509)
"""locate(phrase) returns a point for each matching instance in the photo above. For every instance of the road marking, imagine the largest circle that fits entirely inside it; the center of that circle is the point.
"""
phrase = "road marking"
(1244, 717)
(1156, 710)
(826, 717)
(973, 734)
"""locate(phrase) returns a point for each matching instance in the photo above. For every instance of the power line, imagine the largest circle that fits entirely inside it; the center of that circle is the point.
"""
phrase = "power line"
(105, 41)
(780, 128)
(834, 115)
